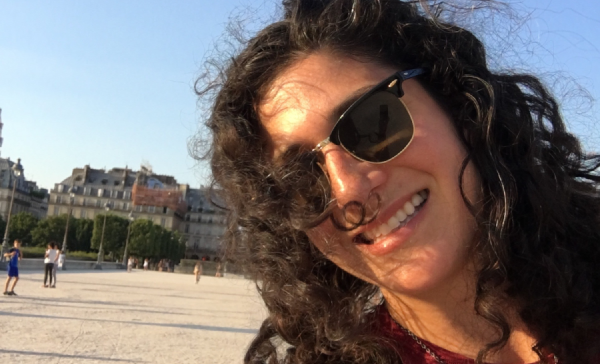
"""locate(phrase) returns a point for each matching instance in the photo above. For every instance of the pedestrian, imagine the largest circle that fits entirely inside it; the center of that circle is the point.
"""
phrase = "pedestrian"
(146, 264)
(14, 255)
(218, 273)
(198, 271)
(56, 264)
(50, 259)
(397, 197)
(129, 264)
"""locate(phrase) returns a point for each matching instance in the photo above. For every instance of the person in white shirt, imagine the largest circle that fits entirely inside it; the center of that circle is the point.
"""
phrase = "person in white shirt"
(129, 264)
(58, 264)
(49, 260)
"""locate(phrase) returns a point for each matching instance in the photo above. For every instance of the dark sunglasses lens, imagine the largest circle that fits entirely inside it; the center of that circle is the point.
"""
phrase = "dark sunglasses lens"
(377, 129)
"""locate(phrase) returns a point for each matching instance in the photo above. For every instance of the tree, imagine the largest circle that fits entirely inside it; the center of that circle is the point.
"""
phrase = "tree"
(115, 233)
(84, 229)
(51, 229)
(21, 227)
(152, 241)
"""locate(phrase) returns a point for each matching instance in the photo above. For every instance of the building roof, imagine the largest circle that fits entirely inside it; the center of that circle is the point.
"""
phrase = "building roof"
(6, 178)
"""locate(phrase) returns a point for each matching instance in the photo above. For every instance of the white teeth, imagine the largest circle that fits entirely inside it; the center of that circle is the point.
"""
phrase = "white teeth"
(417, 200)
(401, 215)
(384, 229)
(393, 222)
(409, 208)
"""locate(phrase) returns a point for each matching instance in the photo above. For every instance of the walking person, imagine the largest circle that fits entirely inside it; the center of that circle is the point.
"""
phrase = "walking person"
(397, 197)
(146, 264)
(198, 271)
(129, 264)
(50, 259)
(218, 273)
(14, 255)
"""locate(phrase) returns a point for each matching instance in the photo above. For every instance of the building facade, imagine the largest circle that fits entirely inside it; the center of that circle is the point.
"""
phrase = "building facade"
(87, 191)
(28, 197)
(204, 225)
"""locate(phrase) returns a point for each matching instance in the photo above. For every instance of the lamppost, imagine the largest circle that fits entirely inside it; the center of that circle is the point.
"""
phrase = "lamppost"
(17, 170)
(64, 244)
(100, 251)
(130, 218)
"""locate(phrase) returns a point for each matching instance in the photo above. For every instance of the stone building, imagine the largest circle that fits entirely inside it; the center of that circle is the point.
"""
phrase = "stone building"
(28, 197)
(204, 225)
(199, 223)
(90, 190)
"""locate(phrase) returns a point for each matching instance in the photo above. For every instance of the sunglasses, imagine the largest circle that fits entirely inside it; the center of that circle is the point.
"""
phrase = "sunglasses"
(377, 127)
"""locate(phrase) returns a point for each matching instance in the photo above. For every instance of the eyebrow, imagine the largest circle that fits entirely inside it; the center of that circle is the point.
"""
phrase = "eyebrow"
(340, 108)
(337, 111)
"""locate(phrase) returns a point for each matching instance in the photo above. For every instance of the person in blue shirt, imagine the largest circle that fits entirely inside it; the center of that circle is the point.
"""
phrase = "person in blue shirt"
(13, 256)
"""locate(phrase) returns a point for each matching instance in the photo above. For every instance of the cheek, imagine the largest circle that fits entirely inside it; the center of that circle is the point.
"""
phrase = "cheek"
(344, 254)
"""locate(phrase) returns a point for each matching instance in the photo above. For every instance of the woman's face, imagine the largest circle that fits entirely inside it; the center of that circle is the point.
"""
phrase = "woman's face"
(430, 248)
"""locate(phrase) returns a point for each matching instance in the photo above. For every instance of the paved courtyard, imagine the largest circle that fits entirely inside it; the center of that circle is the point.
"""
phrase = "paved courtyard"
(120, 317)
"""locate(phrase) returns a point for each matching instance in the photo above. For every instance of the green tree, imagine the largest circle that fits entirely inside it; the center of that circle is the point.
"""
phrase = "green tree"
(84, 229)
(52, 229)
(140, 239)
(149, 240)
(21, 227)
(115, 233)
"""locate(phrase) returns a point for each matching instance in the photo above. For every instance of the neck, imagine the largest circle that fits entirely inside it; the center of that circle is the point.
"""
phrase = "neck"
(446, 317)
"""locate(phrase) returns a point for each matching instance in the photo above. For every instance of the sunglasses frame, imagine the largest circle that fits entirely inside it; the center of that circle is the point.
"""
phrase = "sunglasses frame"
(392, 84)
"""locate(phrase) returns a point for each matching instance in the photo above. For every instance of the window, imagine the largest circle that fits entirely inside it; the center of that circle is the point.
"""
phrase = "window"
(125, 206)
(100, 191)
(59, 199)
(60, 188)
(87, 191)
(115, 194)
(151, 208)
(84, 202)
(98, 203)
(83, 214)
(116, 205)
(56, 210)
(163, 221)
(127, 195)
(187, 228)
(138, 208)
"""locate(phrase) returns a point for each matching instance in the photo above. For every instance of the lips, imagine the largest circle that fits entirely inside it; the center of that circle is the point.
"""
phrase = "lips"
(398, 220)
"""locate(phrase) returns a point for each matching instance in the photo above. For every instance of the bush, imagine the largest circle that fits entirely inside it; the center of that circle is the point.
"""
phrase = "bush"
(77, 255)
(34, 252)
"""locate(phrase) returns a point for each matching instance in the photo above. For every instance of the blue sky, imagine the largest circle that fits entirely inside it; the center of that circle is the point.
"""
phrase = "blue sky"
(110, 83)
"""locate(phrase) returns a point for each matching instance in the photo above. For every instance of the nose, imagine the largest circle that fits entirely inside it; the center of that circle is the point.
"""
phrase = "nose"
(351, 180)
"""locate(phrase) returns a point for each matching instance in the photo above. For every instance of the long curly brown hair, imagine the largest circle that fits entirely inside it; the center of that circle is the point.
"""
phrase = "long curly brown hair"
(539, 222)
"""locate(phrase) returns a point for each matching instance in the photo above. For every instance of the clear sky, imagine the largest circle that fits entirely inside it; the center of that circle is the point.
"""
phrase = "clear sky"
(110, 83)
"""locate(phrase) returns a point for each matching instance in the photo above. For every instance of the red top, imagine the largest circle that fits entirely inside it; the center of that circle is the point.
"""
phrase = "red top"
(410, 351)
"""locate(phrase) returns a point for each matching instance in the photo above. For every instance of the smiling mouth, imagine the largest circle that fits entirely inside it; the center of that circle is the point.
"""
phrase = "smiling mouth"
(404, 214)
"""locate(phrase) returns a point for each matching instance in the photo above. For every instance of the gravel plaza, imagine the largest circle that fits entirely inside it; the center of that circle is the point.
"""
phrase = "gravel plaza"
(113, 316)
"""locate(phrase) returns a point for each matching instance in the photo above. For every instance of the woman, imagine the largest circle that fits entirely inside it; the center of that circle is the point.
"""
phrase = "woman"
(397, 201)
(198, 271)
(50, 258)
